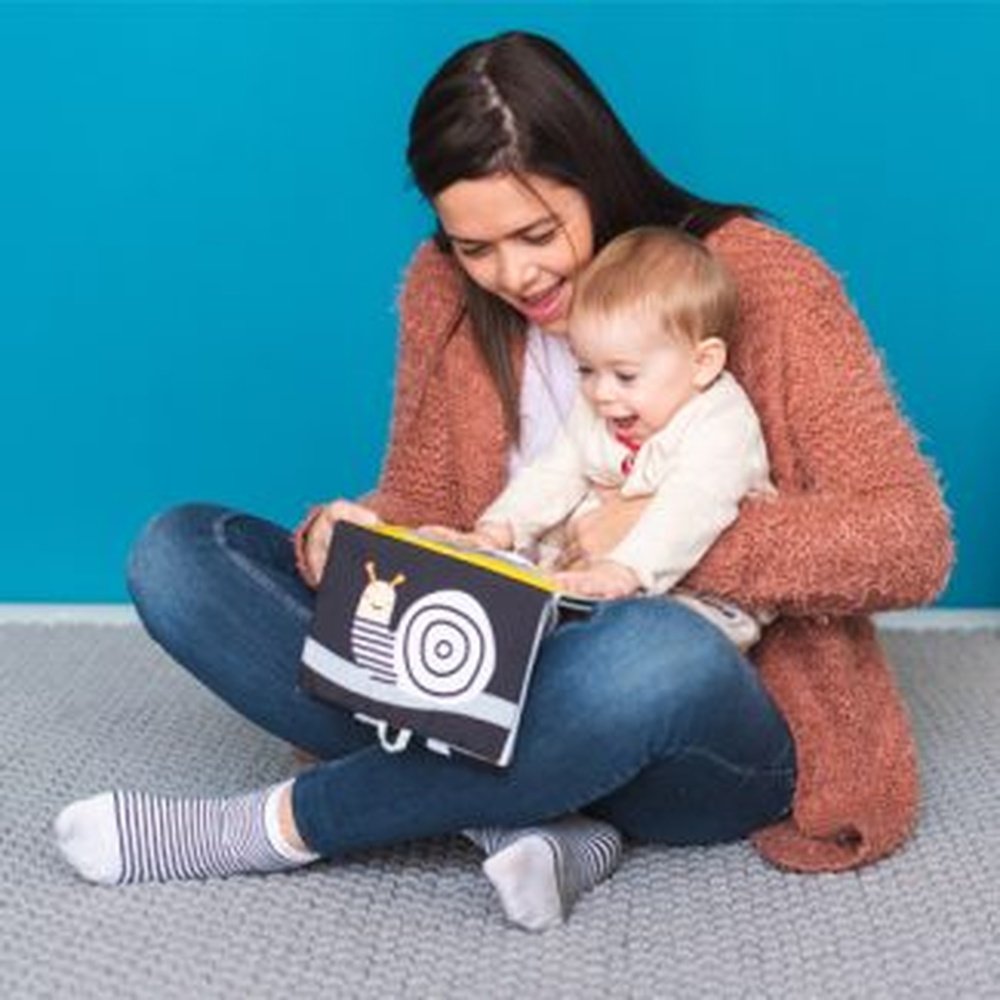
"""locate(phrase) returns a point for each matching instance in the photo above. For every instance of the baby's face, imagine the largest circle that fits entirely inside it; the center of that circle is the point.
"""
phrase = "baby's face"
(634, 374)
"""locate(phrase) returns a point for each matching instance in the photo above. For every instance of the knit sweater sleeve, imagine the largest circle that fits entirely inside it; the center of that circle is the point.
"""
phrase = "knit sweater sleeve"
(416, 485)
(859, 524)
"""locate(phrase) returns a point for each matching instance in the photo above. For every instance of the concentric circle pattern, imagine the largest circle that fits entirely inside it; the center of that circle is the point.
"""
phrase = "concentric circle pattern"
(445, 648)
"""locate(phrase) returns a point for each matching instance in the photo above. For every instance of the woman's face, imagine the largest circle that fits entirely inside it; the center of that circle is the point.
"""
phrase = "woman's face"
(522, 238)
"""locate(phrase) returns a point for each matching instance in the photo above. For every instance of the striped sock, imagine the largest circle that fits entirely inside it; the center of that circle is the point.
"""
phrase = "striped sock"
(541, 871)
(118, 838)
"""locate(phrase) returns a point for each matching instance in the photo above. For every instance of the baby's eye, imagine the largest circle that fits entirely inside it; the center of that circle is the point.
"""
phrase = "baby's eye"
(626, 378)
(584, 370)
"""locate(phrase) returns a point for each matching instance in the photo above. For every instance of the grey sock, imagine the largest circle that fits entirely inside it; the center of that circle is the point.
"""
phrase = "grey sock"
(540, 872)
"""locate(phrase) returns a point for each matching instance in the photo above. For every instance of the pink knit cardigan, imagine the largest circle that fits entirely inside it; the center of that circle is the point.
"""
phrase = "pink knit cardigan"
(858, 526)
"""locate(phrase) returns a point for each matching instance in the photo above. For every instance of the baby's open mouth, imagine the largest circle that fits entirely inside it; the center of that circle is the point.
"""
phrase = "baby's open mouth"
(623, 423)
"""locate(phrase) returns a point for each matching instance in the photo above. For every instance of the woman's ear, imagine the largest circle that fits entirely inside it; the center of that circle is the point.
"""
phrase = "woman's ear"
(709, 360)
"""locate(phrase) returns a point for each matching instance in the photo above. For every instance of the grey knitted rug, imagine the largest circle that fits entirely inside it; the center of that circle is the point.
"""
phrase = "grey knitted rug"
(91, 707)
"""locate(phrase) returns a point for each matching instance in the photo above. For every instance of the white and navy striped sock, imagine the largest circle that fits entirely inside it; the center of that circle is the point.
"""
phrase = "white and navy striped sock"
(118, 838)
(541, 871)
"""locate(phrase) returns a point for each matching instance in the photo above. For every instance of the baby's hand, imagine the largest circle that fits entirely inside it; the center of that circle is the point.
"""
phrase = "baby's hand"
(451, 536)
(487, 535)
(605, 579)
(442, 533)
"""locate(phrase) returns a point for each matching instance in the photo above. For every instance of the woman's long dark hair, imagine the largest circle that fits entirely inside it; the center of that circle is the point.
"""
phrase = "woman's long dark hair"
(519, 103)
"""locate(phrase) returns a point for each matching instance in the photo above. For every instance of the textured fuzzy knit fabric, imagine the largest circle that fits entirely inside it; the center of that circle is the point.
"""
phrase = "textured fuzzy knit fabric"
(858, 525)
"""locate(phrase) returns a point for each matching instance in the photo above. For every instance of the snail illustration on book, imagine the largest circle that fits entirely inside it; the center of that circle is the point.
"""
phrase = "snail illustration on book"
(442, 649)
(419, 642)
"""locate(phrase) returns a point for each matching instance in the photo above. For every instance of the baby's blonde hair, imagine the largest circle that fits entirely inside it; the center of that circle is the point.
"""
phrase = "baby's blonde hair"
(667, 271)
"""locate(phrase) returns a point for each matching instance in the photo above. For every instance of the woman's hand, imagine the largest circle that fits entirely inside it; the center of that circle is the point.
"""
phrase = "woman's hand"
(316, 543)
(594, 534)
(605, 579)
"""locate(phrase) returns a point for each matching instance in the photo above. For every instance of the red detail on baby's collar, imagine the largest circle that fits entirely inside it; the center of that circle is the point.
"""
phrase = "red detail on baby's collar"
(633, 446)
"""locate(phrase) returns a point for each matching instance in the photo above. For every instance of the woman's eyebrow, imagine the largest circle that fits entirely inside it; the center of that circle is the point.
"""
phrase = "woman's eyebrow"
(520, 231)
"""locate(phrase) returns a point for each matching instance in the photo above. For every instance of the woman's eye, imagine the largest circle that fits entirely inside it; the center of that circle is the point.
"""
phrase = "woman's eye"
(539, 239)
(472, 251)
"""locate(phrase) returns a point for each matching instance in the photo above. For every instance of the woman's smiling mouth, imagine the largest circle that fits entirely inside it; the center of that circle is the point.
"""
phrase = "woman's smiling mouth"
(546, 306)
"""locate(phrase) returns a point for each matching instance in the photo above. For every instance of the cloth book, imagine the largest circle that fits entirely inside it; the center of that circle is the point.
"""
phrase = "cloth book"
(420, 638)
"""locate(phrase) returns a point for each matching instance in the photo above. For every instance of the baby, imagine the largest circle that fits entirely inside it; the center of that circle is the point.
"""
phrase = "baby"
(656, 415)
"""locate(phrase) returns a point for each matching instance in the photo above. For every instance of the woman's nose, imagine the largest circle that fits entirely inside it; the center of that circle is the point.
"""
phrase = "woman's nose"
(516, 271)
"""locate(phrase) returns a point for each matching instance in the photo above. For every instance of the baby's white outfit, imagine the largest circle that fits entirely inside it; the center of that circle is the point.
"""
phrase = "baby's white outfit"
(697, 469)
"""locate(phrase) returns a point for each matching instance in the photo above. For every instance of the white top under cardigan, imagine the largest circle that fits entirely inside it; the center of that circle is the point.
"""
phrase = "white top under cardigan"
(548, 385)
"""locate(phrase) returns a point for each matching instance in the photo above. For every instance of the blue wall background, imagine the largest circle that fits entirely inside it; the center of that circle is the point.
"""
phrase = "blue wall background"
(204, 213)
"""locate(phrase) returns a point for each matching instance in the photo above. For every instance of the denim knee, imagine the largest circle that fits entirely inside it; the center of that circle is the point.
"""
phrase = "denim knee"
(160, 556)
(661, 658)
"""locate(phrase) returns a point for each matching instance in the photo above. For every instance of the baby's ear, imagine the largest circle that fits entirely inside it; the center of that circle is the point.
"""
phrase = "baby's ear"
(709, 360)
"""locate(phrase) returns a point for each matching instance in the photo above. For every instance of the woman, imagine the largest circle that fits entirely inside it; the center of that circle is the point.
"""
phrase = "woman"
(643, 716)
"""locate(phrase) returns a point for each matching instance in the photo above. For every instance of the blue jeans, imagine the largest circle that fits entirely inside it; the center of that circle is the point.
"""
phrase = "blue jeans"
(643, 714)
